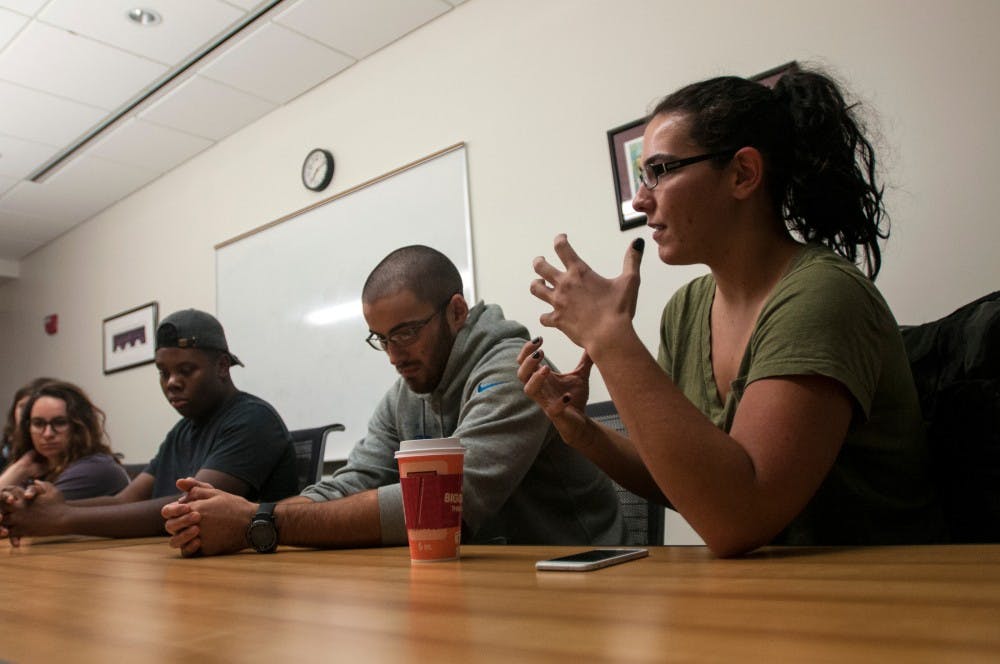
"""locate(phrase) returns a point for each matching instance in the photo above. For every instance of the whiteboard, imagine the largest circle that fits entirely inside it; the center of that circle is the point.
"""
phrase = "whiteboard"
(289, 294)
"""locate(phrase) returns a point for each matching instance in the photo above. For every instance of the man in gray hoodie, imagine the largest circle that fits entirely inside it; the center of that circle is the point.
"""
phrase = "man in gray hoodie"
(458, 377)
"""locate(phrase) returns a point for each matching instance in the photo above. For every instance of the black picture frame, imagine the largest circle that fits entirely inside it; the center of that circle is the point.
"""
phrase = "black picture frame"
(771, 76)
(625, 144)
(129, 338)
(624, 140)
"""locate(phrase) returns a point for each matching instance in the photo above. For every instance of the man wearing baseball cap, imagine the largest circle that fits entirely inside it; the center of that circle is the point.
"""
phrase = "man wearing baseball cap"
(225, 437)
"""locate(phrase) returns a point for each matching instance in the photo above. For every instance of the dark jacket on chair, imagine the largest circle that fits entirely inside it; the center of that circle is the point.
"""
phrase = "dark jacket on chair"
(956, 367)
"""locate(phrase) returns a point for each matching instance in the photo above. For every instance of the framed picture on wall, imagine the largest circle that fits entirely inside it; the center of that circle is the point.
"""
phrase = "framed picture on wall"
(771, 76)
(129, 338)
(625, 144)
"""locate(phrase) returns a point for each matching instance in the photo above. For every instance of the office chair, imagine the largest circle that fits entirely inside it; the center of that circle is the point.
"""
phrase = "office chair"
(956, 367)
(309, 447)
(133, 469)
(643, 520)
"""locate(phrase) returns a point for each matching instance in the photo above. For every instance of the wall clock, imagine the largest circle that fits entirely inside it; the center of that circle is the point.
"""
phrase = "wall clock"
(317, 169)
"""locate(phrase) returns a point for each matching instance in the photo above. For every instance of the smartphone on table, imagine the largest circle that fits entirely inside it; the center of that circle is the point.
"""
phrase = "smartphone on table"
(589, 560)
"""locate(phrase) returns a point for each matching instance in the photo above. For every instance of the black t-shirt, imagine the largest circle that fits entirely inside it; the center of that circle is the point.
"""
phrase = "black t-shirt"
(245, 438)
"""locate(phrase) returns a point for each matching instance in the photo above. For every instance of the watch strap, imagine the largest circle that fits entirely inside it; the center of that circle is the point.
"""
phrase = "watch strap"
(263, 520)
(265, 511)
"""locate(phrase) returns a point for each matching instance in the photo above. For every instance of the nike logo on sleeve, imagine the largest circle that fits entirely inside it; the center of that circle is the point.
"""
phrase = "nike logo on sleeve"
(485, 386)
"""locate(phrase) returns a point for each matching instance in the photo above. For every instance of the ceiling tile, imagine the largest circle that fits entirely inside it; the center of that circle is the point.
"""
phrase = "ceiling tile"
(186, 26)
(148, 145)
(56, 61)
(40, 117)
(6, 183)
(359, 27)
(76, 192)
(38, 199)
(10, 24)
(205, 108)
(15, 248)
(27, 7)
(28, 227)
(18, 158)
(276, 63)
(246, 4)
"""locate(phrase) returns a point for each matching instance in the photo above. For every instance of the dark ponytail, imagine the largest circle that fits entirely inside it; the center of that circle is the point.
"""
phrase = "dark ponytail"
(820, 166)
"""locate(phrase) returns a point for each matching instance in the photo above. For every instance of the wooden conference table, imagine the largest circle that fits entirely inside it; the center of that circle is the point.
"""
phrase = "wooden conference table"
(91, 600)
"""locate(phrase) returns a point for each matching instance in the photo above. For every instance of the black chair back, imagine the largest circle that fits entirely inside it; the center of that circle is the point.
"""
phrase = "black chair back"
(643, 520)
(309, 447)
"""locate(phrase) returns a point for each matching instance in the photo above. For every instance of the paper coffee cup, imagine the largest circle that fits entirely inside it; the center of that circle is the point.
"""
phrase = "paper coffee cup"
(430, 472)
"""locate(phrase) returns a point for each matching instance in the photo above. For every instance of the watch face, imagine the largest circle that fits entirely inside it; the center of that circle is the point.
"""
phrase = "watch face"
(317, 169)
(263, 535)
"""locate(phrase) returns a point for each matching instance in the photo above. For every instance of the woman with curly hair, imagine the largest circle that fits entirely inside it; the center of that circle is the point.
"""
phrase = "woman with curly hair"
(62, 439)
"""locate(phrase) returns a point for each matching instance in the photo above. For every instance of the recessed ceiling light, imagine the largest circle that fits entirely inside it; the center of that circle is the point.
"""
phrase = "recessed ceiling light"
(144, 17)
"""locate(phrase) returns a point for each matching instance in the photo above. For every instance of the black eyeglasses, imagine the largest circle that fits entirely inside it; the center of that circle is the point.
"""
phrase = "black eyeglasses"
(58, 424)
(405, 335)
(650, 174)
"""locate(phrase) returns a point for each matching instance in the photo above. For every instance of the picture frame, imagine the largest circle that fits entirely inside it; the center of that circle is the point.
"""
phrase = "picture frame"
(625, 145)
(771, 76)
(129, 338)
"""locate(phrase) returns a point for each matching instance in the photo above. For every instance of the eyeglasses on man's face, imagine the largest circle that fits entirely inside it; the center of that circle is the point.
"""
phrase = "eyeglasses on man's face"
(58, 424)
(406, 334)
(650, 174)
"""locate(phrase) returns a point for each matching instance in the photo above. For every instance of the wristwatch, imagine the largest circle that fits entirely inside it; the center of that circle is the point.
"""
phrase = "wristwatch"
(262, 533)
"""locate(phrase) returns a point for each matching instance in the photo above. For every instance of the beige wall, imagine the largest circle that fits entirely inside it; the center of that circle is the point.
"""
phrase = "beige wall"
(531, 86)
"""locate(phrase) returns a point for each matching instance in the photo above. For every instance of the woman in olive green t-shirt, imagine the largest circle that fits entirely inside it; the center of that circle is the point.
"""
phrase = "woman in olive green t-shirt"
(782, 409)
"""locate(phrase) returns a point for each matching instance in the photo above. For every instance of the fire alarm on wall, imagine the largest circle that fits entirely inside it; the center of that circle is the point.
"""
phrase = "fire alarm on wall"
(52, 323)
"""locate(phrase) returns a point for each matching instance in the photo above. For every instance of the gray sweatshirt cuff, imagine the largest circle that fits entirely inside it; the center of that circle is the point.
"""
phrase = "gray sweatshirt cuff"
(320, 493)
(390, 508)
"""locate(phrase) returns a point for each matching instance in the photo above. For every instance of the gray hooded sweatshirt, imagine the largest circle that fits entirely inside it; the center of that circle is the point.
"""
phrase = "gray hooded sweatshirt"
(522, 484)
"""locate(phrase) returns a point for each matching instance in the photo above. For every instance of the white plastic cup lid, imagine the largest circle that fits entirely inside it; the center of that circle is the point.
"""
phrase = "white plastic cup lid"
(430, 446)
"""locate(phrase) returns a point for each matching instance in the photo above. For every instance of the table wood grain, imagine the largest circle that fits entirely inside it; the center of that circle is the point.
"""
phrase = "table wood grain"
(90, 600)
